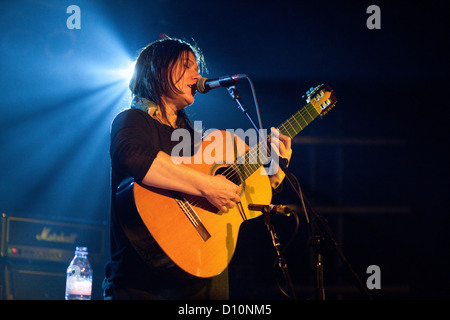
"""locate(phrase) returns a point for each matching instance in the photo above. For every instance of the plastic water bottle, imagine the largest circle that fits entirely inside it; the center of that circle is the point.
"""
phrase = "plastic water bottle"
(79, 276)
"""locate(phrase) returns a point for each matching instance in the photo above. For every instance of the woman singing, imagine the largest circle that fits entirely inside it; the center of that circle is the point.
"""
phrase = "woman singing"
(163, 84)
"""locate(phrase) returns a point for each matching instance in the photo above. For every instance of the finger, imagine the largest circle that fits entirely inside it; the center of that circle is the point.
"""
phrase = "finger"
(285, 147)
(282, 149)
(275, 139)
(275, 148)
(275, 131)
(284, 138)
(286, 141)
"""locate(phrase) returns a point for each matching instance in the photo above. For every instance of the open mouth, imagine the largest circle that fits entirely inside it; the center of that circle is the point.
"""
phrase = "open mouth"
(193, 88)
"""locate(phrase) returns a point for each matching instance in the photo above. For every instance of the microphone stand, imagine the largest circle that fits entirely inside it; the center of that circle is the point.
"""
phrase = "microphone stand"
(281, 261)
(323, 234)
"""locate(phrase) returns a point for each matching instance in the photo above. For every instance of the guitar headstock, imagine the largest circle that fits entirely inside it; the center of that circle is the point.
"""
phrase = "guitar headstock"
(322, 98)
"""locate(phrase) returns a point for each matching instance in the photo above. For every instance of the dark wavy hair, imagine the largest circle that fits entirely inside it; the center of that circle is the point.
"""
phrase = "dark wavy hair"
(152, 77)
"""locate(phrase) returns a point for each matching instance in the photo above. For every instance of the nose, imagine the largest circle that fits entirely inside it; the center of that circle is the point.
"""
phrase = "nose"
(196, 75)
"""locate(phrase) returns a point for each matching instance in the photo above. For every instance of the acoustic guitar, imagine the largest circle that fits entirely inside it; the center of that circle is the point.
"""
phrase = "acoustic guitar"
(196, 236)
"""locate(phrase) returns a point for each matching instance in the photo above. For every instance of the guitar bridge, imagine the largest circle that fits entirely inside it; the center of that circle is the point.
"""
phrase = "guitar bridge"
(193, 218)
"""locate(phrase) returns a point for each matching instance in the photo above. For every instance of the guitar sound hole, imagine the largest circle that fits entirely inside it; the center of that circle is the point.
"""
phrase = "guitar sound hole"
(230, 173)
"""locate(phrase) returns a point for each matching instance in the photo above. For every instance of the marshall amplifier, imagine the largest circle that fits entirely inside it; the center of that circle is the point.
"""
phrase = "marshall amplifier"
(35, 255)
(46, 240)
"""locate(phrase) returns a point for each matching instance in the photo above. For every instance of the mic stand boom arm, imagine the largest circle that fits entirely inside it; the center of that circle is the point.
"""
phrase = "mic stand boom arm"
(237, 97)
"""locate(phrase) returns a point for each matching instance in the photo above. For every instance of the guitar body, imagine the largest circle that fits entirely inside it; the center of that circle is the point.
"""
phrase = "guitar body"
(163, 213)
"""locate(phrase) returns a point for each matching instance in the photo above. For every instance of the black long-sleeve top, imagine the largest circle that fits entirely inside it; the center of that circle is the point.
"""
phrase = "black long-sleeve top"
(136, 139)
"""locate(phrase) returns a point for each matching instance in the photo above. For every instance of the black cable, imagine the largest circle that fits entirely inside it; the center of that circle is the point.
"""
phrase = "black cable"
(256, 102)
(285, 247)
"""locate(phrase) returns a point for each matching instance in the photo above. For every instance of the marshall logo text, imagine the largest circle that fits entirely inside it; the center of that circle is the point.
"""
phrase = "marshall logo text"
(45, 235)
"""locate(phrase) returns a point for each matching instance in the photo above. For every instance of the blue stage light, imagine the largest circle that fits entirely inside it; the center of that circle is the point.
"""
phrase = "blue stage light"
(123, 73)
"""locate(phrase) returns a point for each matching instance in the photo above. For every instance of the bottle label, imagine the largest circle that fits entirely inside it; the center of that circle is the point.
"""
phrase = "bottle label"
(78, 286)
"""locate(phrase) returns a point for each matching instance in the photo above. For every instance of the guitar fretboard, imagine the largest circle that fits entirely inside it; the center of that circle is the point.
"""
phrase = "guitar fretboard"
(259, 154)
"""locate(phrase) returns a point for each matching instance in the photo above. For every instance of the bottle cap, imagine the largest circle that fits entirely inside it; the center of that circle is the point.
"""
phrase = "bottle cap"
(81, 250)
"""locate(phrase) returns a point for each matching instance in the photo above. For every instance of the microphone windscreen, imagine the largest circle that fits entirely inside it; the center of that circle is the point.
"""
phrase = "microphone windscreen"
(201, 85)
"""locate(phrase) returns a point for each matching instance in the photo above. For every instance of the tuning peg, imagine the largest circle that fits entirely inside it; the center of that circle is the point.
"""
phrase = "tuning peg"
(325, 104)
(308, 93)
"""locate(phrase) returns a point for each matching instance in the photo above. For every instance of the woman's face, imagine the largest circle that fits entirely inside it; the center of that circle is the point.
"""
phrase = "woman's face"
(184, 75)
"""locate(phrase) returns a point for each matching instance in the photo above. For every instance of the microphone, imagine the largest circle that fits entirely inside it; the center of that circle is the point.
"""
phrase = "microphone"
(204, 84)
(271, 208)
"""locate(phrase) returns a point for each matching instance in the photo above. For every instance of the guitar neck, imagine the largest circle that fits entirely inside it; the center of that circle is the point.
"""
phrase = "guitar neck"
(258, 155)
(292, 126)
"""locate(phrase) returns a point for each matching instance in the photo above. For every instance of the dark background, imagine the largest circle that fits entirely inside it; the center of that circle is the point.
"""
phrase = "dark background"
(376, 166)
